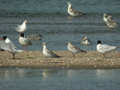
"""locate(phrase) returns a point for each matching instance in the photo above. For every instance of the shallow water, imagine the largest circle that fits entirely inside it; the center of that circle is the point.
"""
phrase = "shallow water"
(57, 31)
(50, 19)
(56, 79)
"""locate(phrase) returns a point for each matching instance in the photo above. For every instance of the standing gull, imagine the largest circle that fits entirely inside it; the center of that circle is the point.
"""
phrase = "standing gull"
(85, 40)
(73, 49)
(9, 46)
(73, 12)
(21, 28)
(24, 41)
(47, 52)
(104, 48)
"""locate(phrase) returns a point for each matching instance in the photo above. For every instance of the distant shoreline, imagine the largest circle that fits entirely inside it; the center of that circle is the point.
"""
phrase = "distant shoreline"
(35, 59)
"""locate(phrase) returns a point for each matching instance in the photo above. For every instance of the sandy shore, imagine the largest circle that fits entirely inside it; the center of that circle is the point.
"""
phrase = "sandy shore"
(35, 59)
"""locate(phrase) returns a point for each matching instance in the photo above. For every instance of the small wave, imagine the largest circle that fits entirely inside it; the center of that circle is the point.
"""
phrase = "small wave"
(5, 13)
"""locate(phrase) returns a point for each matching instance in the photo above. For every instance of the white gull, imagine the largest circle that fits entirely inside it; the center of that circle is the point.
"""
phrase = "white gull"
(21, 28)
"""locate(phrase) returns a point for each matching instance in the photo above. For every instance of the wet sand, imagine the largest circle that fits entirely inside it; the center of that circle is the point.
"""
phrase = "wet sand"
(35, 59)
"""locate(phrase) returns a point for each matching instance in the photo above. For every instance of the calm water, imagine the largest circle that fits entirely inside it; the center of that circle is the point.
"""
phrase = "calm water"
(56, 79)
(49, 18)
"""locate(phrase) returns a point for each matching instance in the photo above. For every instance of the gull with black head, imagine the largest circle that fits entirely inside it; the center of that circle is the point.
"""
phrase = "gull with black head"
(104, 48)
(9, 46)
(24, 41)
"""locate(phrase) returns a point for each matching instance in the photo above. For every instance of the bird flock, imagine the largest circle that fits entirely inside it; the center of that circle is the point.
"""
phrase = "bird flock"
(7, 45)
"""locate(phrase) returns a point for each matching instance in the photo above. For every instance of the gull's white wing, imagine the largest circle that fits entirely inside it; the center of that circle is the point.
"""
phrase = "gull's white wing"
(17, 28)
(107, 48)
(9, 47)
(21, 28)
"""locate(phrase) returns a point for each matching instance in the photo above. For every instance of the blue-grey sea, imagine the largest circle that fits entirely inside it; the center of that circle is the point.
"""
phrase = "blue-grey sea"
(59, 79)
(50, 19)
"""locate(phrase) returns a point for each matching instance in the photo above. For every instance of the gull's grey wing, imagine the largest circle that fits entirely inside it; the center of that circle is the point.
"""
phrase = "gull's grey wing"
(53, 54)
(28, 41)
(8, 47)
(34, 37)
(78, 12)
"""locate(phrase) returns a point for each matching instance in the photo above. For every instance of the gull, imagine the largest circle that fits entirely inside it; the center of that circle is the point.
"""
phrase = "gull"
(9, 46)
(24, 41)
(35, 37)
(104, 48)
(74, 49)
(47, 53)
(109, 21)
(73, 12)
(85, 40)
(21, 28)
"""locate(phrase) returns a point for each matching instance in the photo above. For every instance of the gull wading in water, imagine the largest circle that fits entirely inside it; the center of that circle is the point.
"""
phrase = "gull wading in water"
(24, 41)
(104, 48)
(73, 49)
(73, 12)
(9, 46)
(105, 17)
(47, 53)
(35, 37)
(85, 40)
(109, 21)
(22, 28)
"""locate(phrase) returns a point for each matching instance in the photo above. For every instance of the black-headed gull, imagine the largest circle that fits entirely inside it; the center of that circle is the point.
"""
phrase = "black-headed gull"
(74, 49)
(9, 46)
(48, 53)
(104, 48)
(24, 41)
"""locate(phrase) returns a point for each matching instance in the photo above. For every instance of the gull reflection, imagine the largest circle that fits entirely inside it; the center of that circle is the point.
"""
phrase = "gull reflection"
(46, 73)
(8, 74)
(104, 74)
